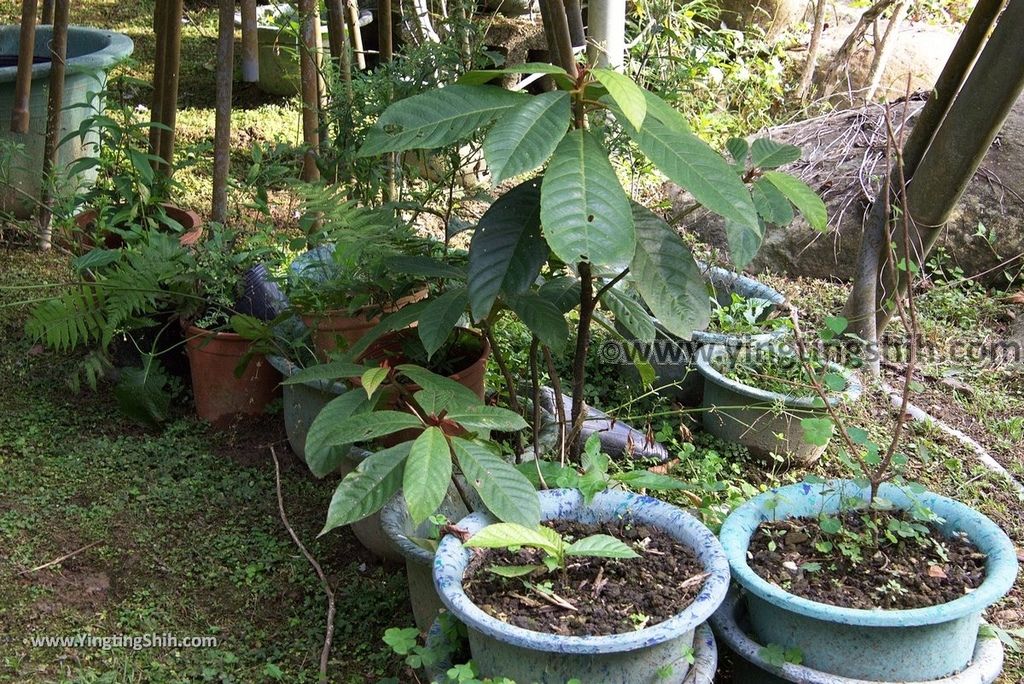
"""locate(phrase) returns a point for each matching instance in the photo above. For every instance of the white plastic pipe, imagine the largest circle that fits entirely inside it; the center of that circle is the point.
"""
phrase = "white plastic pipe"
(607, 26)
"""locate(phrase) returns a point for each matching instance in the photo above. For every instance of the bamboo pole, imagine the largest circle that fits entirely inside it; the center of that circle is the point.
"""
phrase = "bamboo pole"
(55, 104)
(156, 107)
(385, 31)
(352, 13)
(172, 68)
(310, 87)
(222, 125)
(23, 80)
(250, 43)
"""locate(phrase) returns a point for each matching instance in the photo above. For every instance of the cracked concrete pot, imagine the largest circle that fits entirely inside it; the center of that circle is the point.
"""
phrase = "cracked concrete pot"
(501, 649)
(752, 417)
(904, 645)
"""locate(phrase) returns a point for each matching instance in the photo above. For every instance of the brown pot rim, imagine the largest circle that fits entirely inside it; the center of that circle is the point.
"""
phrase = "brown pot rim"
(485, 350)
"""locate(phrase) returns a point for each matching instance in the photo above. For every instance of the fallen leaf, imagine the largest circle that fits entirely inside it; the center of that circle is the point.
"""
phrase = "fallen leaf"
(936, 571)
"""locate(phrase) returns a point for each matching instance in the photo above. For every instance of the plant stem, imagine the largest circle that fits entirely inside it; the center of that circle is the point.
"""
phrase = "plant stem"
(579, 409)
(510, 383)
(556, 386)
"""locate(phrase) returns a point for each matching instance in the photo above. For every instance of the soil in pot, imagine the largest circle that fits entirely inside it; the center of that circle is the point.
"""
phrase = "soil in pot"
(919, 572)
(608, 596)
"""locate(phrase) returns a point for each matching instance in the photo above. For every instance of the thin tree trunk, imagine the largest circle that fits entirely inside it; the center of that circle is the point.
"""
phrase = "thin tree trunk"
(222, 126)
(172, 68)
(58, 64)
(357, 36)
(553, 15)
(841, 59)
(46, 15)
(250, 43)
(23, 78)
(807, 77)
(574, 16)
(338, 40)
(156, 106)
(883, 49)
(385, 30)
(310, 88)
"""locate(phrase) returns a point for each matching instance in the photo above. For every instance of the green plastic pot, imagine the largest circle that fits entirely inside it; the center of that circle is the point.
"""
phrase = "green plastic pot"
(765, 422)
(91, 53)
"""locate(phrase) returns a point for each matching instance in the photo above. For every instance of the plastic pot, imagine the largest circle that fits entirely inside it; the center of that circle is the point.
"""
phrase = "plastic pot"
(501, 649)
(91, 53)
(705, 654)
(674, 359)
(302, 403)
(751, 416)
(219, 395)
(903, 645)
(732, 628)
(419, 562)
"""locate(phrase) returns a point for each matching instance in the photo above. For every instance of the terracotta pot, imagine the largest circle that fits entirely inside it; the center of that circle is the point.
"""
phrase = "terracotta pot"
(219, 395)
(83, 241)
(338, 328)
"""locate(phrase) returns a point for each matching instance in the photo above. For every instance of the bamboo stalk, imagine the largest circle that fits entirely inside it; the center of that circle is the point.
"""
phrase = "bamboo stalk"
(23, 80)
(250, 43)
(55, 104)
(172, 68)
(310, 88)
(352, 13)
(222, 125)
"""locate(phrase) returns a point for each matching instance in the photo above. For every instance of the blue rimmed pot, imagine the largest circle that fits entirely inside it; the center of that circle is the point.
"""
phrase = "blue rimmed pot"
(640, 657)
(765, 422)
(303, 403)
(674, 359)
(402, 534)
(749, 663)
(874, 645)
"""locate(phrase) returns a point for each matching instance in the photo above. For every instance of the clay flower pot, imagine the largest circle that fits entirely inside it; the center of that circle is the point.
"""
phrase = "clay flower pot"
(220, 396)
(340, 329)
(85, 222)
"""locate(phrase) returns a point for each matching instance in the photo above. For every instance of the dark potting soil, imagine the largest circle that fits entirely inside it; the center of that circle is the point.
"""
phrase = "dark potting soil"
(607, 596)
(913, 573)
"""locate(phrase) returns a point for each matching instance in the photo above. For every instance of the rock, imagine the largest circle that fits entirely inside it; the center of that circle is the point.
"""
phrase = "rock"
(844, 161)
(773, 16)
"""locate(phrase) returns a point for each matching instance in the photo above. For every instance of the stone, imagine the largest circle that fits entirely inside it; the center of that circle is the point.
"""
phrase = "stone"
(844, 162)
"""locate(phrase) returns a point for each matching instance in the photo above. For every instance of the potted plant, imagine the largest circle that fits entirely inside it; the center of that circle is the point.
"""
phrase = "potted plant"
(346, 281)
(155, 281)
(763, 398)
(621, 636)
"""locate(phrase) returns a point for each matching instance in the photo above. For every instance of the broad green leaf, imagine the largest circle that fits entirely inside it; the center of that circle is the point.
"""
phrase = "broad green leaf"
(373, 378)
(95, 258)
(330, 372)
(627, 95)
(525, 137)
(425, 267)
(600, 546)
(554, 474)
(441, 317)
(434, 401)
(504, 535)
(744, 241)
(771, 204)
(630, 314)
(837, 324)
(324, 449)
(738, 149)
(437, 118)
(543, 318)
(801, 195)
(488, 418)
(583, 208)
(817, 431)
(507, 250)
(402, 318)
(362, 427)
(645, 479)
(665, 113)
(481, 76)
(563, 292)
(503, 489)
(690, 162)
(428, 473)
(835, 382)
(142, 392)
(366, 489)
(667, 277)
(768, 154)
(463, 396)
(514, 570)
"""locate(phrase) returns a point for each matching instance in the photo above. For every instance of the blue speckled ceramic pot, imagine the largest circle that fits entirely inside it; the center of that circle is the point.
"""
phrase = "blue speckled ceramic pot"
(731, 625)
(501, 649)
(750, 416)
(876, 645)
